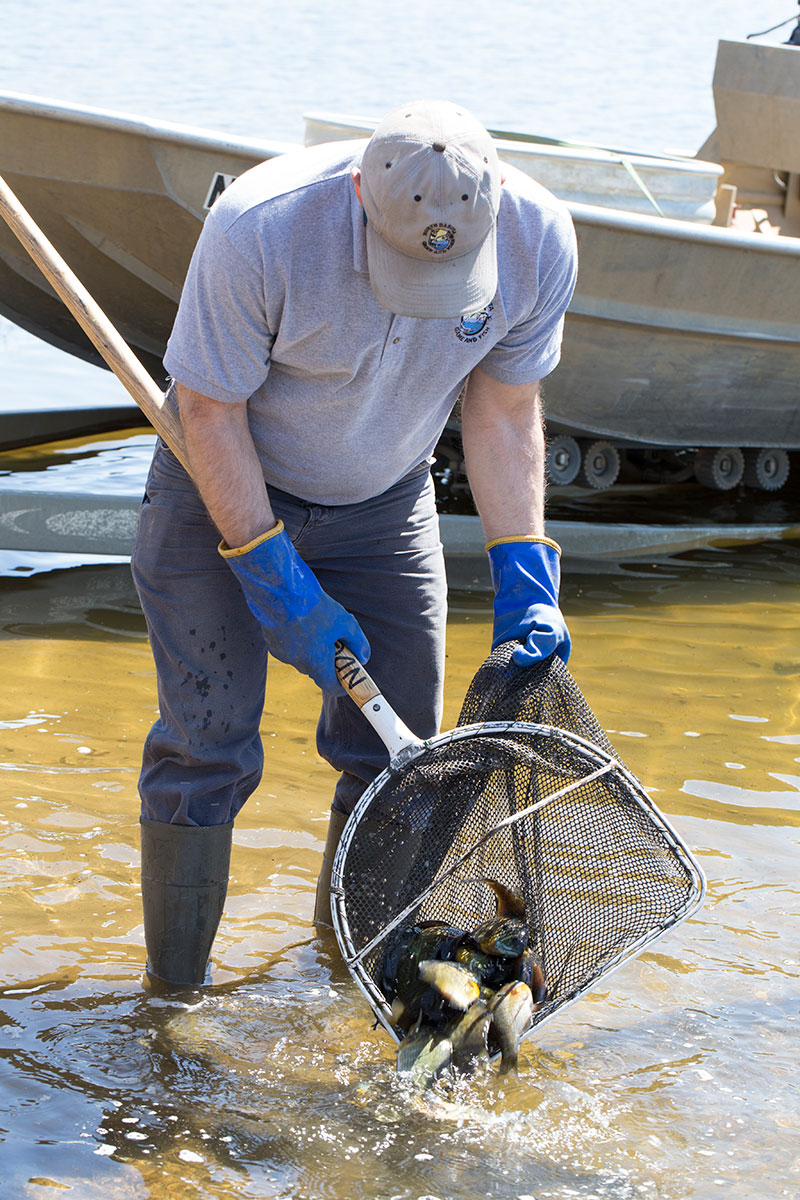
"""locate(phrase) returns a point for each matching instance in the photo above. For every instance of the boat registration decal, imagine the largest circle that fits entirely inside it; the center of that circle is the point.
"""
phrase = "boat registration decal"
(218, 184)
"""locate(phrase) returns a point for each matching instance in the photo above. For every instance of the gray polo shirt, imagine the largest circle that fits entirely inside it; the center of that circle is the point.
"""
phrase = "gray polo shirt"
(345, 397)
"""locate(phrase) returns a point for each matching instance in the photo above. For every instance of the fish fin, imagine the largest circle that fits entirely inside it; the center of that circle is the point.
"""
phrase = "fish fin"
(509, 904)
(538, 985)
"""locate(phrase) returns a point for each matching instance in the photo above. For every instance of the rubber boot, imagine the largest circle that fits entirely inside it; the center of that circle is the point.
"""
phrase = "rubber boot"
(184, 881)
(322, 905)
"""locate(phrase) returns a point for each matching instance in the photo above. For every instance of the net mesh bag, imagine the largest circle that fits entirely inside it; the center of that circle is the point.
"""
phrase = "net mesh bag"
(525, 791)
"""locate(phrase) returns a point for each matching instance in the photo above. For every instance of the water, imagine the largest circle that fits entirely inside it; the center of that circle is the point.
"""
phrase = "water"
(677, 1078)
(602, 71)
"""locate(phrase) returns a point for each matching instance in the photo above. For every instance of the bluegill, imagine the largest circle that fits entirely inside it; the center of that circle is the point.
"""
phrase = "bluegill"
(460, 995)
(504, 936)
(408, 948)
(411, 996)
(487, 968)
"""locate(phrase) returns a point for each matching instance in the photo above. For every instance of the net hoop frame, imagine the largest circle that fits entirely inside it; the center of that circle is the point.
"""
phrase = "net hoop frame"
(605, 763)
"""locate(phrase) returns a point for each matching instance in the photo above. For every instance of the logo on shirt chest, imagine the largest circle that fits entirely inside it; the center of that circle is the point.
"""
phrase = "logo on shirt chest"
(474, 326)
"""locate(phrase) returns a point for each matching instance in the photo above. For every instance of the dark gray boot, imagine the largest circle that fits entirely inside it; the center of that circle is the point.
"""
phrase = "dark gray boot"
(322, 905)
(184, 881)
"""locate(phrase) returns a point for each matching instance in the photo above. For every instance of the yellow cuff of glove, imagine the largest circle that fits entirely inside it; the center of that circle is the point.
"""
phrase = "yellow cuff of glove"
(524, 537)
(226, 551)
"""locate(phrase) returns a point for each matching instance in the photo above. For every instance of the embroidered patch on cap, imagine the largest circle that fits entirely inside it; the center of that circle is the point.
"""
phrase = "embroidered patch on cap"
(438, 239)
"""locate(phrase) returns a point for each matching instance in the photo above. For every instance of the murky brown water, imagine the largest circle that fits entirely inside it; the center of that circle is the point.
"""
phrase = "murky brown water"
(678, 1079)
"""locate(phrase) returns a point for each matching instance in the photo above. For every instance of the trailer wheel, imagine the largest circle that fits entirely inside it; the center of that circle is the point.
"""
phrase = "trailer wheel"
(720, 468)
(766, 469)
(563, 460)
(600, 465)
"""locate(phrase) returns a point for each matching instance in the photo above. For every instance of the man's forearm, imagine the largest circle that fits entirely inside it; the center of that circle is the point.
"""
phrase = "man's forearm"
(225, 466)
(503, 440)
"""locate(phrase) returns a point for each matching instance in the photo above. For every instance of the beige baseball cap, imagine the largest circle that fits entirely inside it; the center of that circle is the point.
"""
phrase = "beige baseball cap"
(430, 186)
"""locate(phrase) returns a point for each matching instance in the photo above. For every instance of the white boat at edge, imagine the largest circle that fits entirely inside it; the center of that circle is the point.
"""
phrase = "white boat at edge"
(84, 510)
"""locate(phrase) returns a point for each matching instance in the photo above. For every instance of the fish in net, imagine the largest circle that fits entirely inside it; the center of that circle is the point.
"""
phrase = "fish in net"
(526, 792)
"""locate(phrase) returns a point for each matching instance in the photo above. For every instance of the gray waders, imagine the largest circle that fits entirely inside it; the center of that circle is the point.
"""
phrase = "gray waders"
(184, 881)
(322, 906)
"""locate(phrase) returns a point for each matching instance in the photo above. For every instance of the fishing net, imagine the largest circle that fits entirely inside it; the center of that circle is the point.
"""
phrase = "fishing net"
(526, 791)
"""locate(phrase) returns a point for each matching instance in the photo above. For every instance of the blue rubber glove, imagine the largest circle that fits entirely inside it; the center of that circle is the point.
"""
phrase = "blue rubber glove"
(301, 623)
(526, 573)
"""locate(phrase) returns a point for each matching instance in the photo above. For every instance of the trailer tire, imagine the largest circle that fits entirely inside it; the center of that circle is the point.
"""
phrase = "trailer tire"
(720, 468)
(563, 460)
(600, 465)
(767, 469)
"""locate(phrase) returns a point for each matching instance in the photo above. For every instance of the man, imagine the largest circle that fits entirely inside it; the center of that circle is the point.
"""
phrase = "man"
(337, 300)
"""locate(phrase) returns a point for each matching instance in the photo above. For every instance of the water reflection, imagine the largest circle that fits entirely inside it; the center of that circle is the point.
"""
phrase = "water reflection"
(677, 1079)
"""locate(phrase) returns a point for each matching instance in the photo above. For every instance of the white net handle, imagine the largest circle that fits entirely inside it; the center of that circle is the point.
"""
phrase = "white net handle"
(364, 692)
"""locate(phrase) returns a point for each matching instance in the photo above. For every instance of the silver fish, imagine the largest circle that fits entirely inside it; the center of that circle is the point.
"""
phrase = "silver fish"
(424, 1055)
(510, 1010)
(468, 1034)
(505, 937)
(454, 983)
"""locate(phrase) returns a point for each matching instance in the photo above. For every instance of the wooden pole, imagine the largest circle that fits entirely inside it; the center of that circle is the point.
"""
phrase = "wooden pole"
(95, 324)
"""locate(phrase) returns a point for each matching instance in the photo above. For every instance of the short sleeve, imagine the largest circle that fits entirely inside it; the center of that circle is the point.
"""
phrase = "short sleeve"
(221, 341)
(531, 349)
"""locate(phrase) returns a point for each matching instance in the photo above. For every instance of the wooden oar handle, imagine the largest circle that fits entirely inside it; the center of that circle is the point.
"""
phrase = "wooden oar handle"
(95, 324)
(364, 692)
(126, 366)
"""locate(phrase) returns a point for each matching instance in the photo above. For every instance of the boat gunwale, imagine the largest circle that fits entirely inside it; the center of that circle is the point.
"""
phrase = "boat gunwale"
(208, 140)
(128, 123)
(181, 134)
(683, 322)
(689, 231)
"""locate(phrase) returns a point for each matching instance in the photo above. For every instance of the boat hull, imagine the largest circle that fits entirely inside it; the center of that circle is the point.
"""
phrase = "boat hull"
(679, 334)
(123, 201)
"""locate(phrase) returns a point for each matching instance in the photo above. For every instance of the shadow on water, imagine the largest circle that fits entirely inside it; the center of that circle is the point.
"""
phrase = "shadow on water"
(100, 602)
(88, 602)
(679, 504)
